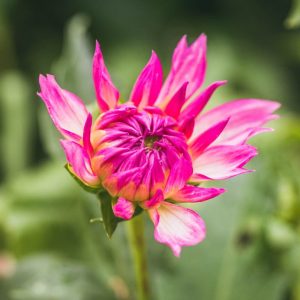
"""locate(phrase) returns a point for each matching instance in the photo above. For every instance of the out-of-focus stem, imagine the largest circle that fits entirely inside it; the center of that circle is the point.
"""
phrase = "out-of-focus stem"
(138, 249)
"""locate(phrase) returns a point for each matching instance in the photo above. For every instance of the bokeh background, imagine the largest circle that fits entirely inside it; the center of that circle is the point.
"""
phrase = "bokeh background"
(49, 250)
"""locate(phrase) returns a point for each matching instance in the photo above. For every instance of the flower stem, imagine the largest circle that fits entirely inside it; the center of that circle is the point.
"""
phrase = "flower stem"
(138, 249)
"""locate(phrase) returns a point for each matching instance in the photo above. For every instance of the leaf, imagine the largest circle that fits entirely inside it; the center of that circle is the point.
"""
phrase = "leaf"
(110, 221)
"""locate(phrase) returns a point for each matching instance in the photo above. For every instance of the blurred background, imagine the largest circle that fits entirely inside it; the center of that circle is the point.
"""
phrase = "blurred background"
(49, 250)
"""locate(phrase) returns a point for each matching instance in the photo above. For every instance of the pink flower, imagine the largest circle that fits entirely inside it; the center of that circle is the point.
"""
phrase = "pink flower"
(154, 150)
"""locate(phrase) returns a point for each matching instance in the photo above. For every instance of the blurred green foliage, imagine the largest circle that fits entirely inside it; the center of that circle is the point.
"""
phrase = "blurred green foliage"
(49, 249)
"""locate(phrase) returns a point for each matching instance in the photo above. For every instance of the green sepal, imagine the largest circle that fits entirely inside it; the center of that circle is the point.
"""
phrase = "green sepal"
(109, 220)
(138, 211)
(88, 188)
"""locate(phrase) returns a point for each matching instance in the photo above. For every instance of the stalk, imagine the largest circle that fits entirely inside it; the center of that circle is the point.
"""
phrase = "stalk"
(136, 230)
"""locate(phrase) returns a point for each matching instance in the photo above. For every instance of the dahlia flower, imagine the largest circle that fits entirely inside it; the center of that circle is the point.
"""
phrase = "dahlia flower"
(153, 151)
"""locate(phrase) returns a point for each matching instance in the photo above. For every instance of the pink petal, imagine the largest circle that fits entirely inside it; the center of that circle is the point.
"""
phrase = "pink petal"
(66, 110)
(123, 209)
(247, 116)
(79, 160)
(177, 226)
(155, 200)
(106, 93)
(191, 193)
(194, 106)
(87, 135)
(188, 65)
(148, 84)
(175, 104)
(206, 138)
(221, 162)
(179, 174)
(186, 126)
(179, 52)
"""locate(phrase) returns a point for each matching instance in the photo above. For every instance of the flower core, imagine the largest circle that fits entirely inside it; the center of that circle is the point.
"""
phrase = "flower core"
(138, 152)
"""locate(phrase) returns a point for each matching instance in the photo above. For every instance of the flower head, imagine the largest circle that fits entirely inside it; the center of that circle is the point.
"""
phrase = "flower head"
(155, 150)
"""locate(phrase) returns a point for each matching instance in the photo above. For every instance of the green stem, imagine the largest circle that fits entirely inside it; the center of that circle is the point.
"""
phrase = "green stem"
(138, 249)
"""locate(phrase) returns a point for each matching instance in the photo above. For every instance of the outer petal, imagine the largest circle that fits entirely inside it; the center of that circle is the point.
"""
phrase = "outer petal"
(177, 226)
(246, 118)
(186, 126)
(123, 209)
(87, 135)
(206, 138)
(194, 106)
(175, 104)
(191, 193)
(179, 174)
(79, 160)
(148, 84)
(66, 110)
(106, 93)
(188, 64)
(221, 162)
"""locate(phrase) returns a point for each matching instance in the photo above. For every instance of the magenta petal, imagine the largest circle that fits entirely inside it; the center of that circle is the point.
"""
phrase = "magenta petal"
(179, 52)
(191, 193)
(66, 110)
(247, 116)
(195, 106)
(176, 102)
(221, 162)
(179, 174)
(79, 161)
(155, 200)
(188, 65)
(87, 135)
(177, 226)
(206, 138)
(123, 209)
(148, 84)
(106, 93)
(186, 126)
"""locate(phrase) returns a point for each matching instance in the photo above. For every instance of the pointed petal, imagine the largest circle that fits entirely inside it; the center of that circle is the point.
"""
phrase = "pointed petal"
(194, 106)
(177, 226)
(247, 116)
(179, 174)
(66, 110)
(155, 200)
(186, 126)
(87, 135)
(106, 93)
(206, 138)
(123, 209)
(176, 102)
(79, 161)
(191, 193)
(148, 84)
(221, 162)
(179, 52)
(188, 64)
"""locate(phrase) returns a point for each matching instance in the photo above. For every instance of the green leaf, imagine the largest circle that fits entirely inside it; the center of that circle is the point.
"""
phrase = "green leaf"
(90, 189)
(110, 221)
